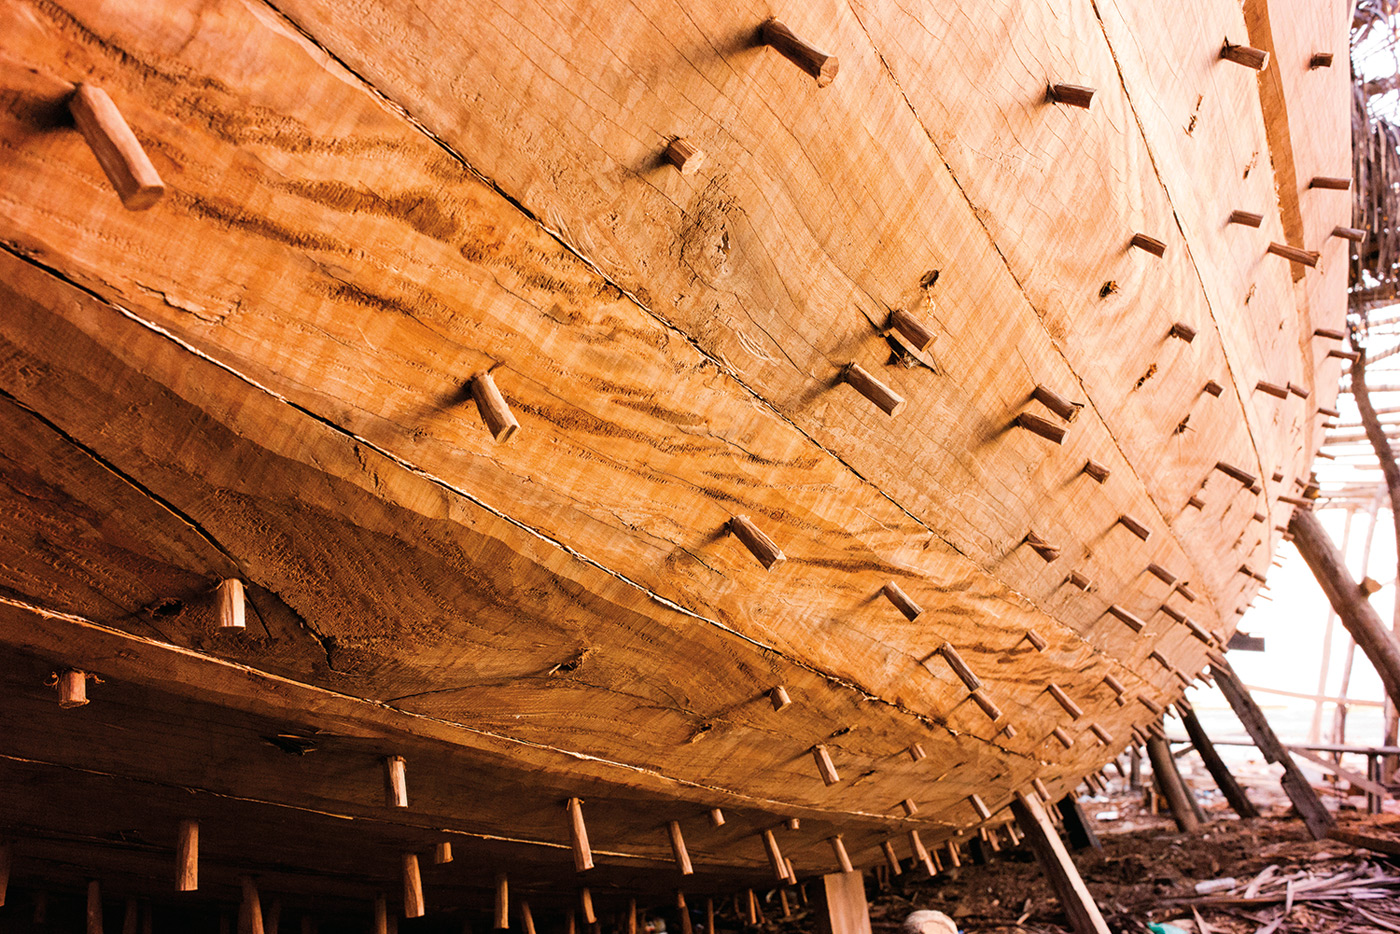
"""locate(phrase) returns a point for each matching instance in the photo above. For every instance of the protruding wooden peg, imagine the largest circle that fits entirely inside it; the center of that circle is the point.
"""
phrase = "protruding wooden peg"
(94, 907)
(916, 332)
(678, 850)
(250, 916)
(412, 887)
(502, 902)
(684, 155)
(1040, 426)
(992, 711)
(1249, 572)
(1096, 471)
(752, 909)
(758, 544)
(1182, 331)
(1320, 60)
(527, 919)
(1159, 658)
(1213, 388)
(1149, 244)
(1272, 389)
(395, 782)
(1246, 218)
(1134, 526)
(1036, 640)
(1298, 501)
(683, 911)
(1245, 55)
(232, 604)
(72, 688)
(1041, 790)
(1195, 502)
(1293, 254)
(779, 698)
(492, 406)
(1301, 392)
(838, 847)
(954, 854)
(1064, 700)
(1162, 574)
(980, 807)
(1008, 729)
(1116, 687)
(710, 915)
(716, 817)
(1330, 413)
(885, 398)
(1075, 579)
(916, 752)
(1196, 630)
(909, 807)
(1150, 704)
(1181, 677)
(1056, 403)
(803, 54)
(1134, 623)
(585, 904)
(891, 858)
(1041, 547)
(1183, 588)
(1062, 737)
(442, 853)
(955, 662)
(825, 767)
(900, 599)
(187, 856)
(118, 152)
(578, 836)
(1330, 183)
(1174, 613)
(793, 823)
(1216, 658)
(1075, 95)
(1230, 470)
(1349, 355)
(1354, 234)
(916, 845)
(1331, 334)
(775, 855)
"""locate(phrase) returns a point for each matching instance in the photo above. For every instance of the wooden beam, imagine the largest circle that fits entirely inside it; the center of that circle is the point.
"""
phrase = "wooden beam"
(840, 905)
(1078, 830)
(1171, 785)
(1224, 780)
(1065, 881)
(187, 857)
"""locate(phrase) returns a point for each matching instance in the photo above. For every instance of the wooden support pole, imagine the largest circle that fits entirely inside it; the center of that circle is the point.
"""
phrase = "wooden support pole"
(72, 689)
(1230, 788)
(381, 915)
(1149, 244)
(232, 604)
(94, 907)
(678, 849)
(585, 904)
(804, 55)
(840, 904)
(1043, 427)
(578, 836)
(825, 767)
(187, 857)
(527, 919)
(710, 914)
(1347, 599)
(758, 544)
(1079, 831)
(683, 912)
(913, 330)
(118, 152)
(1245, 55)
(412, 887)
(684, 155)
(896, 595)
(1171, 785)
(1246, 218)
(395, 782)
(891, 858)
(131, 919)
(843, 859)
(502, 914)
(1075, 95)
(272, 921)
(1064, 878)
(885, 398)
(7, 859)
(250, 918)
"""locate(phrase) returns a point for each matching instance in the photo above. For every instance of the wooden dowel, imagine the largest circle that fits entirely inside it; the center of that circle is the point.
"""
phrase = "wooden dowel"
(72, 689)
(585, 904)
(885, 398)
(992, 711)
(913, 330)
(916, 752)
(954, 854)
(1182, 331)
(131, 919)
(1331, 334)
(395, 782)
(309, 925)
(1243, 476)
(793, 823)
(1008, 729)
(570, 922)
(1036, 640)
(1115, 686)
(1320, 60)
(442, 853)
(980, 807)
(710, 915)
(1055, 402)
(1134, 526)
(804, 55)
(1150, 704)
(1159, 658)
(716, 817)
(684, 155)
(1075, 579)
(527, 919)
(1245, 55)
(1293, 254)
(916, 845)
(1330, 413)
(1246, 218)
(891, 859)
(1272, 389)
(1161, 573)
(118, 152)
(1330, 183)
(909, 807)
(1075, 95)
(1212, 388)
(499, 419)
(1126, 616)
(187, 856)
(1184, 589)
(893, 593)
(1195, 502)
(1041, 547)
(1041, 790)
(1149, 244)
(578, 836)
(955, 662)
(824, 764)
(1064, 700)
(775, 855)
(94, 907)
(1196, 630)
(758, 544)
(678, 849)
(232, 601)
(412, 887)
(1354, 234)
(843, 859)
(683, 912)
(502, 916)
(1040, 426)
(779, 698)
(1349, 355)
(751, 906)
(250, 919)
(1298, 501)
(1062, 737)
(1096, 471)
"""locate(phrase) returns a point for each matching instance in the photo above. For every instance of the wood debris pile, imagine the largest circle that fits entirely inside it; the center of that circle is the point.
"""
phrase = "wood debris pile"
(1362, 896)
